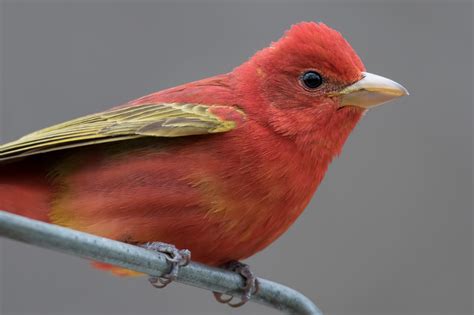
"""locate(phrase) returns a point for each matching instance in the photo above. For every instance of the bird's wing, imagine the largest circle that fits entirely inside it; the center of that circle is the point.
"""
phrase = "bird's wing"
(152, 120)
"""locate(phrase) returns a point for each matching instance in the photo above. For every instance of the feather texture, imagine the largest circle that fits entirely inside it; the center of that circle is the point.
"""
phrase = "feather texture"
(227, 192)
(156, 120)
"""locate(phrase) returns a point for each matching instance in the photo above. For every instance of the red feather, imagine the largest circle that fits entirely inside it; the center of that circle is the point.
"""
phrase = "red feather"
(223, 196)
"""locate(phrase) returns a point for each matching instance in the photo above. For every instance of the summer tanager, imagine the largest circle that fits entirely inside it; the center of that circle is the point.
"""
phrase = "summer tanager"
(221, 166)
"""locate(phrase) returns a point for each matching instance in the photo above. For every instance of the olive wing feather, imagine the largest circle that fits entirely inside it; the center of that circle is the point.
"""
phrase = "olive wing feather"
(150, 120)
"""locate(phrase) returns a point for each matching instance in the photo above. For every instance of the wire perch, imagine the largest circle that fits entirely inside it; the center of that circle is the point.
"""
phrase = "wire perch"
(135, 258)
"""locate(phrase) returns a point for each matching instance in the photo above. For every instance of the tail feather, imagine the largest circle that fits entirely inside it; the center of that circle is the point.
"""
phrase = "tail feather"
(118, 271)
(25, 190)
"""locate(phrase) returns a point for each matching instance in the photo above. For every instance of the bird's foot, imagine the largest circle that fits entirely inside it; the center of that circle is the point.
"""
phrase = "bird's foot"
(177, 257)
(251, 284)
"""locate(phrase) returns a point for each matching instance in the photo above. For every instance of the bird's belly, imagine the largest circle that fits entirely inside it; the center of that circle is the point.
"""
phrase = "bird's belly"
(221, 210)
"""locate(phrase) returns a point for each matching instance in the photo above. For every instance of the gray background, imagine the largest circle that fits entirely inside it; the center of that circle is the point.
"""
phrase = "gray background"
(390, 231)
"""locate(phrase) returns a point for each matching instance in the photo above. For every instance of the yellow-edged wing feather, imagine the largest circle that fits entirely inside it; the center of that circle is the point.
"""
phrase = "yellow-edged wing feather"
(155, 120)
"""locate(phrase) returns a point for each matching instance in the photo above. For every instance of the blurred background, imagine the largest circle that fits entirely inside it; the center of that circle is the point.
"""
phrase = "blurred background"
(390, 229)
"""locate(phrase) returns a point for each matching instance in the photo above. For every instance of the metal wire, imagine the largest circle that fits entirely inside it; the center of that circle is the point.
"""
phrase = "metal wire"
(135, 258)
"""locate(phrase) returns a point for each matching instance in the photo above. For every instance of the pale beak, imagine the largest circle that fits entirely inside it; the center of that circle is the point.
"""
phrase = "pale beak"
(370, 91)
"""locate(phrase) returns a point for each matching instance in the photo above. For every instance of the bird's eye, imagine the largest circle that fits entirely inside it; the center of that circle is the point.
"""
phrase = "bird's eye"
(311, 79)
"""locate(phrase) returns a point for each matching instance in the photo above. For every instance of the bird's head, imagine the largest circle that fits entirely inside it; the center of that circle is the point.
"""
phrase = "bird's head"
(313, 77)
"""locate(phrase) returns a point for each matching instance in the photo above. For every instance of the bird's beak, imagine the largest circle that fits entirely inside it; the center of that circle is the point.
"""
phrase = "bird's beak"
(370, 91)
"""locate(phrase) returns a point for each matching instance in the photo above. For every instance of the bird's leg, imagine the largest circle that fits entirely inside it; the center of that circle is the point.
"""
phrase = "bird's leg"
(251, 284)
(177, 257)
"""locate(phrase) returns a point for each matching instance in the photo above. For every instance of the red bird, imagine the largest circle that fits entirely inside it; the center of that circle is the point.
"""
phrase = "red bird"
(221, 166)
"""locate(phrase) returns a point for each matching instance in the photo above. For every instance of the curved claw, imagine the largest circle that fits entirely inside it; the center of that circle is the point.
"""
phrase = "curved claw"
(239, 304)
(159, 282)
(251, 286)
(219, 298)
(177, 258)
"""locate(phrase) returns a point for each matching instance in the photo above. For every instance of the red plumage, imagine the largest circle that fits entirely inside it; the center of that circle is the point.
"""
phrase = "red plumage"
(224, 196)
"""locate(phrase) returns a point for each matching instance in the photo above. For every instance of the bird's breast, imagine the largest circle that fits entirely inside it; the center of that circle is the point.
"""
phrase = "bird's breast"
(258, 189)
(221, 196)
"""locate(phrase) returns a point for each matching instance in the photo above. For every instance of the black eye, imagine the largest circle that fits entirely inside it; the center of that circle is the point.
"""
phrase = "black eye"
(312, 79)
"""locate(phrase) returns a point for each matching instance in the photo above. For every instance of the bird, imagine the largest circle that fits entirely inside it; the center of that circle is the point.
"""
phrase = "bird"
(219, 167)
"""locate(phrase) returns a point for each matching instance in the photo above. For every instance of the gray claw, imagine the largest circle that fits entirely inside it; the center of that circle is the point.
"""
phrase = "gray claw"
(178, 258)
(251, 284)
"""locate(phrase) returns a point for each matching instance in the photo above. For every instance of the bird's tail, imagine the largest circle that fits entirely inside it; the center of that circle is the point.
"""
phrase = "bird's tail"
(24, 190)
